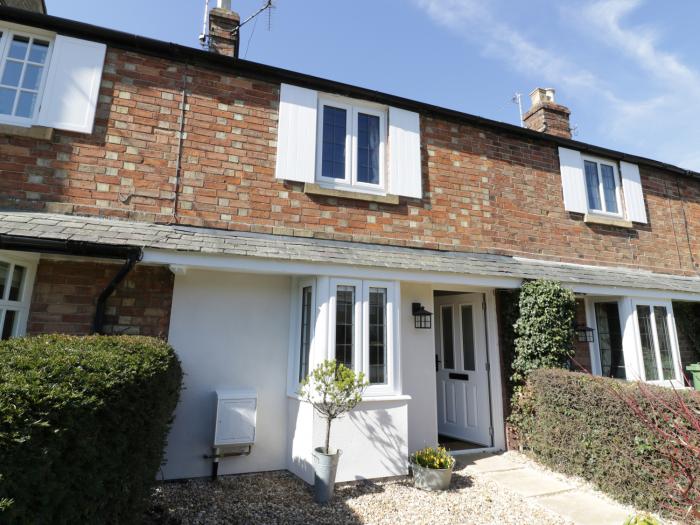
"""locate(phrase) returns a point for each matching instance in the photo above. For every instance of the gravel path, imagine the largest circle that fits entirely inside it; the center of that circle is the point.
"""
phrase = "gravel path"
(281, 498)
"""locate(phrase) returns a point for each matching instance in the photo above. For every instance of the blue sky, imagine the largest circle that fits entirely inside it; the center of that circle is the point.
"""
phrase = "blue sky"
(628, 69)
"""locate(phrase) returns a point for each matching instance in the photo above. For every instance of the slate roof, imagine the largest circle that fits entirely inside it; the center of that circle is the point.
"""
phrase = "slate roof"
(285, 248)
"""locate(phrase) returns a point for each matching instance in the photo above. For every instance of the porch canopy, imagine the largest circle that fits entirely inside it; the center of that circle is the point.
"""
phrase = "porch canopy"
(186, 246)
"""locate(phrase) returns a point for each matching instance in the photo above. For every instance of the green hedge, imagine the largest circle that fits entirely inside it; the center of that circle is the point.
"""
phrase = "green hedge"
(584, 425)
(83, 423)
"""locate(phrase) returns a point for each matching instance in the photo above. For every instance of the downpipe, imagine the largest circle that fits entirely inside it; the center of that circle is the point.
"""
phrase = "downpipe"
(131, 259)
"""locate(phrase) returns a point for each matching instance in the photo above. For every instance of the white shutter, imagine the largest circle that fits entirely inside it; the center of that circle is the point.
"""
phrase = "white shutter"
(404, 154)
(296, 135)
(72, 85)
(632, 190)
(573, 180)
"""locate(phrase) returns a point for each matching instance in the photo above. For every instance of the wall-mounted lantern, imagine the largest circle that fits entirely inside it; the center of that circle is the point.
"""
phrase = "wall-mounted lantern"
(423, 318)
(584, 334)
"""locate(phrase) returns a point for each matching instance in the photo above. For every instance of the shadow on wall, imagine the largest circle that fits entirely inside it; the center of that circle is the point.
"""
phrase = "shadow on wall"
(378, 428)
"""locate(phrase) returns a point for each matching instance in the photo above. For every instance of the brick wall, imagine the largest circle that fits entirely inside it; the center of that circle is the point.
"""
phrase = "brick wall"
(66, 291)
(485, 190)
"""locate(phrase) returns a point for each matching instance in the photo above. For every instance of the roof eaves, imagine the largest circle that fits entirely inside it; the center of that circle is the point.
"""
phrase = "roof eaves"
(256, 70)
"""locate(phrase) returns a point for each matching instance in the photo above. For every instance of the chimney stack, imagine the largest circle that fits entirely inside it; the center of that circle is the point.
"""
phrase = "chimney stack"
(546, 115)
(222, 21)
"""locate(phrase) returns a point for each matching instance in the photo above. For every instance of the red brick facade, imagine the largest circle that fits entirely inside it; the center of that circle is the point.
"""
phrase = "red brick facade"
(485, 190)
(66, 291)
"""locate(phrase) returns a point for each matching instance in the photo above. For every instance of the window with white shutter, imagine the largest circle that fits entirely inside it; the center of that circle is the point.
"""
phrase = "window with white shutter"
(599, 188)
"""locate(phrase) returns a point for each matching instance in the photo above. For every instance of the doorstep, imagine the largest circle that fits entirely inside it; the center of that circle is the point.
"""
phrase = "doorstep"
(579, 504)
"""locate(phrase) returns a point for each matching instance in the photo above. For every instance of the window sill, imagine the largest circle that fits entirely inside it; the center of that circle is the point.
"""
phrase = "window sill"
(366, 399)
(594, 218)
(33, 132)
(316, 189)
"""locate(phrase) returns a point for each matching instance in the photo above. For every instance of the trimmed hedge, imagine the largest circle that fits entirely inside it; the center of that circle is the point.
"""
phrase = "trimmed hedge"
(582, 425)
(83, 424)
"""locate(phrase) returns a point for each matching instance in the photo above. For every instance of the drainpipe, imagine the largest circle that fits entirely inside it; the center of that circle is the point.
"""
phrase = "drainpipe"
(131, 259)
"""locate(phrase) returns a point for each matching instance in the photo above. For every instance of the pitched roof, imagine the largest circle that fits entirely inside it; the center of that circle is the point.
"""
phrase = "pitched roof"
(277, 247)
(180, 53)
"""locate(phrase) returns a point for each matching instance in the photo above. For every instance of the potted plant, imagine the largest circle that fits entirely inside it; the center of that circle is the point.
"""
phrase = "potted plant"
(432, 468)
(333, 390)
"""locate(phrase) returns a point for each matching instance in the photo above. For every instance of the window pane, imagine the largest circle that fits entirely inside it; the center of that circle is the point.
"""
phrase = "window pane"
(25, 106)
(334, 132)
(468, 337)
(305, 342)
(344, 324)
(377, 335)
(31, 77)
(661, 318)
(16, 283)
(448, 351)
(368, 148)
(12, 73)
(39, 51)
(592, 189)
(8, 325)
(7, 100)
(648, 353)
(4, 274)
(612, 360)
(18, 48)
(609, 188)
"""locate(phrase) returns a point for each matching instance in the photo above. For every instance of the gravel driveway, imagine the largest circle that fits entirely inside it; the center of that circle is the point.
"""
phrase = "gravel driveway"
(280, 497)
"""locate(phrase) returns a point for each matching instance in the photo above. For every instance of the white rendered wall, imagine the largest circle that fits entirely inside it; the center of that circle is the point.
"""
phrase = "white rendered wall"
(230, 331)
(418, 368)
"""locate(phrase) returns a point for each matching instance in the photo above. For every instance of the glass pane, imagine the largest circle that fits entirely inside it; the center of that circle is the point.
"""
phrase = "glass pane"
(12, 73)
(609, 188)
(592, 189)
(448, 344)
(16, 283)
(333, 153)
(39, 51)
(25, 106)
(648, 353)
(18, 48)
(377, 335)
(612, 360)
(4, 274)
(7, 100)
(344, 324)
(368, 148)
(32, 75)
(305, 343)
(8, 326)
(661, 319)
(468, 337)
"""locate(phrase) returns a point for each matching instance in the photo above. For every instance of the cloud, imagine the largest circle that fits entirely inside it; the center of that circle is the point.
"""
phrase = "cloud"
(648, 124)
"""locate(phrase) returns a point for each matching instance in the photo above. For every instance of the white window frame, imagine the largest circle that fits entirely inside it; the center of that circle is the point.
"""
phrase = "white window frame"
(353, 108)
(8, 32)
(601, 194)
(29, 262)
(677, 381)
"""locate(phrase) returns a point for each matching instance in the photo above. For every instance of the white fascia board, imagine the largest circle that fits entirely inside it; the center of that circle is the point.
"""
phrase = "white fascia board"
(276, 266)
(614, 291)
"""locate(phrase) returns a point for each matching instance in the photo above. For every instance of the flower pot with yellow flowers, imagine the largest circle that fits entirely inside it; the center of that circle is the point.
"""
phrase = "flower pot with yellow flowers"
(432, 468)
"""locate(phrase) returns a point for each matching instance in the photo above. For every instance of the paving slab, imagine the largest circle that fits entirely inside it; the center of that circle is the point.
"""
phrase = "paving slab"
(488, 462)
(528, 482)
(584, 508)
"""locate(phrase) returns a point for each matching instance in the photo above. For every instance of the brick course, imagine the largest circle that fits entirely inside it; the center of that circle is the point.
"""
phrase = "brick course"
(66, 291)
(485, 190)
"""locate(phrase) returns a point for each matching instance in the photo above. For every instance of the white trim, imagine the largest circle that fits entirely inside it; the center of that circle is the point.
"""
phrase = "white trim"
(479, 450)
(601, 193)
(497, 415)
(296, 312)
(23, 304)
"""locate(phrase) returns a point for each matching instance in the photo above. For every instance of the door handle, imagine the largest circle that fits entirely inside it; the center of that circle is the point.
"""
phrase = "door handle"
(437, 363)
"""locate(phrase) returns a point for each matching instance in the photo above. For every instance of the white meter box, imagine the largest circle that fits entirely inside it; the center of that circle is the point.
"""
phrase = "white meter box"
(235, 417)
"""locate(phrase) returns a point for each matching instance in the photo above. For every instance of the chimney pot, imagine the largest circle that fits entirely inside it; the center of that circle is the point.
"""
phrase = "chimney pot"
(545, 115)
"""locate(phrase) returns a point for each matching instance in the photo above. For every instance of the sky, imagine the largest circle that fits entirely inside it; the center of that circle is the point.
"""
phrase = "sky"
(629, 70)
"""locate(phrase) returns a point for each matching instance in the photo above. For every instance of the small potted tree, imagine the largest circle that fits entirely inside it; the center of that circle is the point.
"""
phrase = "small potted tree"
(333, 390)
(432, 468)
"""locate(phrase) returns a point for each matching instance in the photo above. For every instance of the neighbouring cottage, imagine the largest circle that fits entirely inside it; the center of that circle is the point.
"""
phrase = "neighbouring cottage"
(263, 220)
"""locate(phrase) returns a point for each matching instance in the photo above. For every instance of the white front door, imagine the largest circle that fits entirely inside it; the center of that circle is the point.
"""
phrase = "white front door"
(462, 368)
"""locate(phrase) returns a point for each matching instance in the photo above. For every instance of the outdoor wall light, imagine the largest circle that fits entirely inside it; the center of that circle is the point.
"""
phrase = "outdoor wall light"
(423, 318)
(584, 334)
